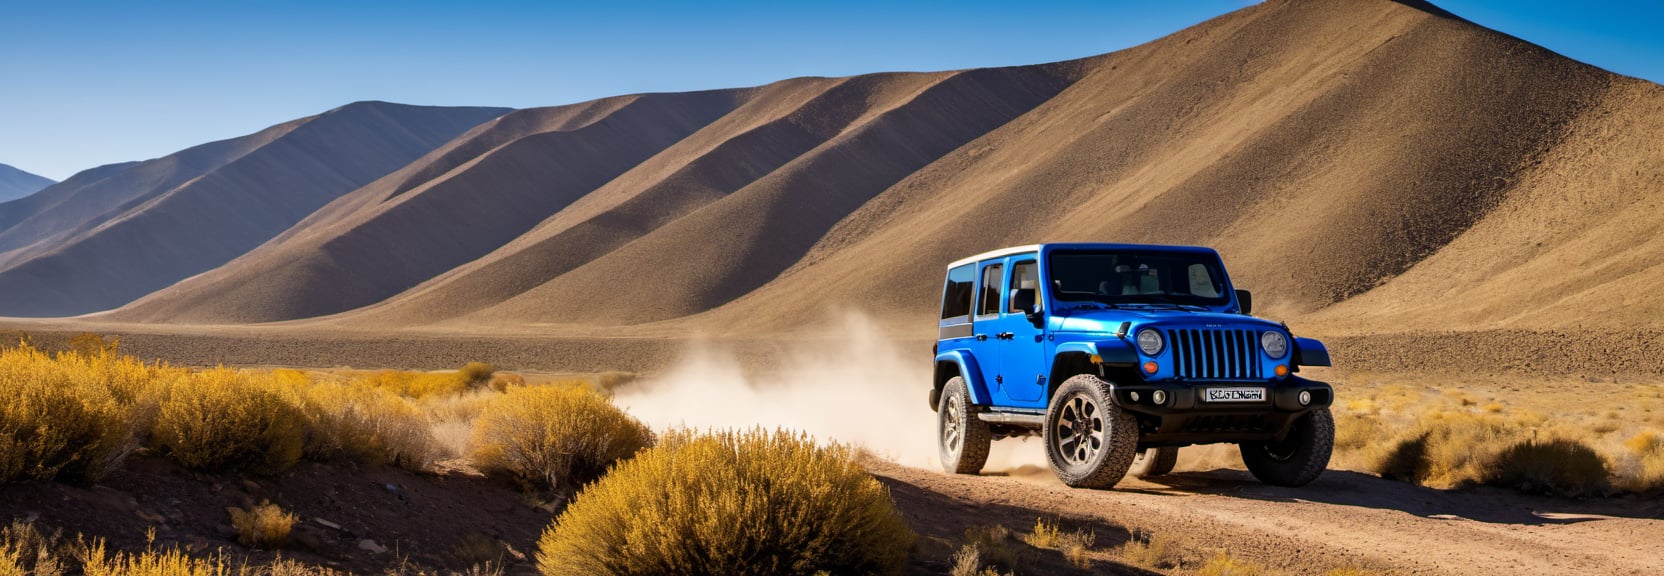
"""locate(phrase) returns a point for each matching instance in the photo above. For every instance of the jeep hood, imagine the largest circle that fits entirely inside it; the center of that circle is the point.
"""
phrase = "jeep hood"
(1108, 321)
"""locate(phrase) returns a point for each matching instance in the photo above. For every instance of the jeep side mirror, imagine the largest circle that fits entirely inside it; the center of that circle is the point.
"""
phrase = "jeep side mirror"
(1024, 300)
(1245, 302)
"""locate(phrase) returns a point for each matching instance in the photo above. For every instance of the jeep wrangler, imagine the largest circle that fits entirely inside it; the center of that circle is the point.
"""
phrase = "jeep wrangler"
(1117, 355)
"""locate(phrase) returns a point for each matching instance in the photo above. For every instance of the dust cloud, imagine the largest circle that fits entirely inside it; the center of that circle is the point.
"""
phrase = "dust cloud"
(860, 389)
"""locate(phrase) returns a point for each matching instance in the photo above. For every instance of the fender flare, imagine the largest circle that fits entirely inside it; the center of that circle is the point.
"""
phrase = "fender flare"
(968, 370)
(1310, 352)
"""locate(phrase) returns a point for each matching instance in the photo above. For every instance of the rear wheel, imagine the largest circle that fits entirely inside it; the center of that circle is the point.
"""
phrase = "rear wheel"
(1299, 457)
(962, 438)
(1090, 442)
(1155, 462)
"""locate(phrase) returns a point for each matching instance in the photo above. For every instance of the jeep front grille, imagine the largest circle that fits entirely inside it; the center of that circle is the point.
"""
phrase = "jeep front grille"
(1215, 354)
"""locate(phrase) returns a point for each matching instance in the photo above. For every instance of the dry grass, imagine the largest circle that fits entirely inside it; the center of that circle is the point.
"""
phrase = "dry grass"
(990, 543)
(1536, 437)
(264, 526)
(739, 503)
(76, 415)
(1154, 552)
(1076, 547)
(554, 437)
(1045, 534)
(1221, 563)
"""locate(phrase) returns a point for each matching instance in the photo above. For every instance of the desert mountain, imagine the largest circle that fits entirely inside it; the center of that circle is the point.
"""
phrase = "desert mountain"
(1361, 164)
(112, 234)
(16, 183)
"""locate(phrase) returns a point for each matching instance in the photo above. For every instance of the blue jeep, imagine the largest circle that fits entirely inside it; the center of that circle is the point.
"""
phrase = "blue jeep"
(1117, 355)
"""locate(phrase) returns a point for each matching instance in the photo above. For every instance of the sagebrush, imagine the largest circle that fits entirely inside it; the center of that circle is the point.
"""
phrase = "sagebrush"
(753, 502)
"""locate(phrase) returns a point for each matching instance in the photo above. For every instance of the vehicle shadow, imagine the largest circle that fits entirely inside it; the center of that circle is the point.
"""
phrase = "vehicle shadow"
(1348, 488)
(942, 521)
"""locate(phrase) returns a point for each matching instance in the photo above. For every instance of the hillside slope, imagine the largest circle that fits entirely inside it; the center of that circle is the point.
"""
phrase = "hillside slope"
(16, 183)
(110, 235)
(1357, 162)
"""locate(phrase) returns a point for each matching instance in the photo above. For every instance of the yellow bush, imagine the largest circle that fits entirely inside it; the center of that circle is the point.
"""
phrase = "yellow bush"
(1045, 534)
(738, 503)
(263, 526)
(26, 551)
(56, 420)
(226, 419)
(417, 384)
(554, 436)
(1153, 552)
(366, 424)
(1557, 466)
(476, 372)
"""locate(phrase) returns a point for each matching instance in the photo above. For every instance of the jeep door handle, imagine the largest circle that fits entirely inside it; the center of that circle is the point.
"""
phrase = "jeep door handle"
(1006, 335)
(981, 337)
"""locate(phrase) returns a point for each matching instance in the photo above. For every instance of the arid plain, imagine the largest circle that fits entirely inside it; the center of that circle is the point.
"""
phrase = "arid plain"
(1470, 222)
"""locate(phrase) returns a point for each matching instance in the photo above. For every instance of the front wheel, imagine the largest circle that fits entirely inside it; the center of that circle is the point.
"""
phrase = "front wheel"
(1090, 442)
(962, 438)
(1299, 457)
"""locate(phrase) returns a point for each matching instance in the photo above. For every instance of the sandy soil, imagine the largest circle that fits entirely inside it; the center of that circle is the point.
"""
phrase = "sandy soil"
(1344, 519)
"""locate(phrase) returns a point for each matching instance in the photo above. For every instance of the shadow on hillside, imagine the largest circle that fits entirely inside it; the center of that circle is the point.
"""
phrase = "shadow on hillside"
(941, 522)
(1348, 488)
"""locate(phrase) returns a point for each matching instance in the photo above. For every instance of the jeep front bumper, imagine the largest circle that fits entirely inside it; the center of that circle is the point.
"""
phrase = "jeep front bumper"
(1184, 418)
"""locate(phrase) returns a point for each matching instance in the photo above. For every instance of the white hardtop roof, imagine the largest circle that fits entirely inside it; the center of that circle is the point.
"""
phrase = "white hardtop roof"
(995, 254)
(1032, 248)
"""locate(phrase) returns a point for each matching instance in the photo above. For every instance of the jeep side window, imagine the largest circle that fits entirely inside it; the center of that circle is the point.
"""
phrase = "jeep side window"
(1025, 275)
(989, 303)
(957, 295)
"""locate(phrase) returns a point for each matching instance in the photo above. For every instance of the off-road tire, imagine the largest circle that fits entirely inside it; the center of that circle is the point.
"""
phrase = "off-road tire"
(1155, 462)
(970, 449)
(1090, 442)
(1299, 458)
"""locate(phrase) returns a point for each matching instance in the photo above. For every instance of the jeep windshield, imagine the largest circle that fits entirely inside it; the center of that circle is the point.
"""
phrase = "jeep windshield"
(1138, 277)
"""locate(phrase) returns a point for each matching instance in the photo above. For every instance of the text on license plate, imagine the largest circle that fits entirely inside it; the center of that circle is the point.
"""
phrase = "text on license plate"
(1234, 395)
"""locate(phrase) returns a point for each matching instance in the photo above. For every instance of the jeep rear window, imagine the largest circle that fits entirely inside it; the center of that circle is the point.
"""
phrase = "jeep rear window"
(1138, 277)
(956, 297)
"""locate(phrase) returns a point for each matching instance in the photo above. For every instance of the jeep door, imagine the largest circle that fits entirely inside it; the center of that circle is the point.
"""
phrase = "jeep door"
(985, 315)
(1020, 342)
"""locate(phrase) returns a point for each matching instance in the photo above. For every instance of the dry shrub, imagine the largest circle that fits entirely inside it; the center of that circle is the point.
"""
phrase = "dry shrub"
(1356, 431)
(501, 381)
(1455, 449)
(476, 373)
(57, 420)
(224, 419)
(1150, 551)
(1045, 534)
(1221, 563)
(25, 550)
(96, 561)
(1646, 455)
(966, 561)
(417, 384)
(557, 437)
(366, 424)
(264, 526)
(1076, 547)
(990, 543)
(1557, 466)
(754, 502)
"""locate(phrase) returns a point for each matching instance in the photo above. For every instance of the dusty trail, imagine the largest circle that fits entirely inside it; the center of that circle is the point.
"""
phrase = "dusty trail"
(1345, 519)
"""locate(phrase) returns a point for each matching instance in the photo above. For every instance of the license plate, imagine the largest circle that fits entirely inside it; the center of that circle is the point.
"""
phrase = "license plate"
(1234, 395)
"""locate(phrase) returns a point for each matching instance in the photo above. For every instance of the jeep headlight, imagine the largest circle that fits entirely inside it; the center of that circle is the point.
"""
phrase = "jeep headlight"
(1274, 343)
(1149, 342)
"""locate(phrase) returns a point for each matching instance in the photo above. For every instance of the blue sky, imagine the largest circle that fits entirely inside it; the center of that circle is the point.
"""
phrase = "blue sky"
(90, 83)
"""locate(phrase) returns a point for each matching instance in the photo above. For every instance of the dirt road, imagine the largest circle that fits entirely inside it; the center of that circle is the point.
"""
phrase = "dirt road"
(1345, 519)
